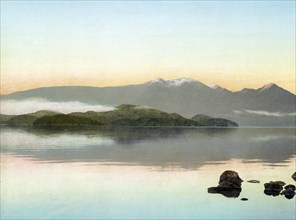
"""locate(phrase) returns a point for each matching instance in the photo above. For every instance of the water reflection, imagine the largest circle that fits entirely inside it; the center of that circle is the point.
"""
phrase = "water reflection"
(271, 193)
(231, 193)
(187, 148)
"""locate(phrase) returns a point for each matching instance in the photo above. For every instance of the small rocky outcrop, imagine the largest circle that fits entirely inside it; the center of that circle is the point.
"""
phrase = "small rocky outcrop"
(244, 199)
(290, 186)
(229, 184)
(253, 181)
(289, 191)
(273, 188)
(230, 179)
(294, 176)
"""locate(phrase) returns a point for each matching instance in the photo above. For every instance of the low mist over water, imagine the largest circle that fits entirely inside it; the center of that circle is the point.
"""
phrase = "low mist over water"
(16, 107)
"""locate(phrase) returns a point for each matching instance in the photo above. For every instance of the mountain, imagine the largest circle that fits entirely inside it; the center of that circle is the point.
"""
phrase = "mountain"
(219, 88)
(123, 115)
(175, 82)
(269, 105)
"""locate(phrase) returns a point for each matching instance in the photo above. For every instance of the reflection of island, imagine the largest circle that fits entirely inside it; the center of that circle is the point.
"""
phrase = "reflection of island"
(123, 115)
(188, 148)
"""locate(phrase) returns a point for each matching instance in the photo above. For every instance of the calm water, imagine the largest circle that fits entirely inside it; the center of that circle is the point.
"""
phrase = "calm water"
(143, 173)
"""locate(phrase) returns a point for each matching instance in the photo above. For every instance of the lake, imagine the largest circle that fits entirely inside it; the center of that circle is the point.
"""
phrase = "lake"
(143, 173)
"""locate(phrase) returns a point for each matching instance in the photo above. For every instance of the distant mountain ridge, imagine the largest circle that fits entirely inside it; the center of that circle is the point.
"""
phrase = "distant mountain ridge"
(185, 96)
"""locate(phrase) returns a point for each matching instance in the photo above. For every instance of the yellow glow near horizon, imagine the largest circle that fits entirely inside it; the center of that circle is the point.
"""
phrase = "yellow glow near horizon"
(232, 44)
(228, 81)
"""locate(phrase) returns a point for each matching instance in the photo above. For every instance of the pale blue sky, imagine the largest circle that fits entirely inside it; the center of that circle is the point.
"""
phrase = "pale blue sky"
(234, 44)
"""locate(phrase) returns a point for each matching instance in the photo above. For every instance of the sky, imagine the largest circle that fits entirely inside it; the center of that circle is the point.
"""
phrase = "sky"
(234, 44)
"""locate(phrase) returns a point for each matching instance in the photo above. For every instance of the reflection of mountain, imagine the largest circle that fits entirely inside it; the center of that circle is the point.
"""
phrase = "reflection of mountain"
(163, 147)
(268, 105)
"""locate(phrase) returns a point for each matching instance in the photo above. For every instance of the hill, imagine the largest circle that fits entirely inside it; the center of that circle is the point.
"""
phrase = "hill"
(132, 115)
(64, 120)
(217, 122)
(123, 115)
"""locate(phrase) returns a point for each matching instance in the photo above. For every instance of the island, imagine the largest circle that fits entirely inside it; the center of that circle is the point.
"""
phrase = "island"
(122, 115)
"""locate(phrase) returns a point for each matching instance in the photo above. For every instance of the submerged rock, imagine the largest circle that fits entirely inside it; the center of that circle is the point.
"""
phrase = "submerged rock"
(273, 188)
(294, 176)
(229, 184)
(253, 181)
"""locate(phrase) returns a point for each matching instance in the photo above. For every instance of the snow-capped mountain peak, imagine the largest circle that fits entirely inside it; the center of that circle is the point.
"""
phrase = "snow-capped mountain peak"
(214, 86)
(173, 82)
(180, 81)
(158, 80)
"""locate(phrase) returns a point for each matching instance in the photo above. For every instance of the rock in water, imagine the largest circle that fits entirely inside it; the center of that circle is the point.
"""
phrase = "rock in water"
(280, 182)
(244, 199)
(230, 179)
(273, 188)
(294, 176)
(289, 193)
(253, 181)
(229, 184)
(290, 186)
(274, 185)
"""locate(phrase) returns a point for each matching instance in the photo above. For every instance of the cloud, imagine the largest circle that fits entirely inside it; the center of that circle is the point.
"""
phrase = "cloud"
(14, 107)
(276, 114)
(238, 112)
(263, 113)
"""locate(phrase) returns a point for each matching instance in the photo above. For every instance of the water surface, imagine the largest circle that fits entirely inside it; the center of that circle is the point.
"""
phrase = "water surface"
(143, 173)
